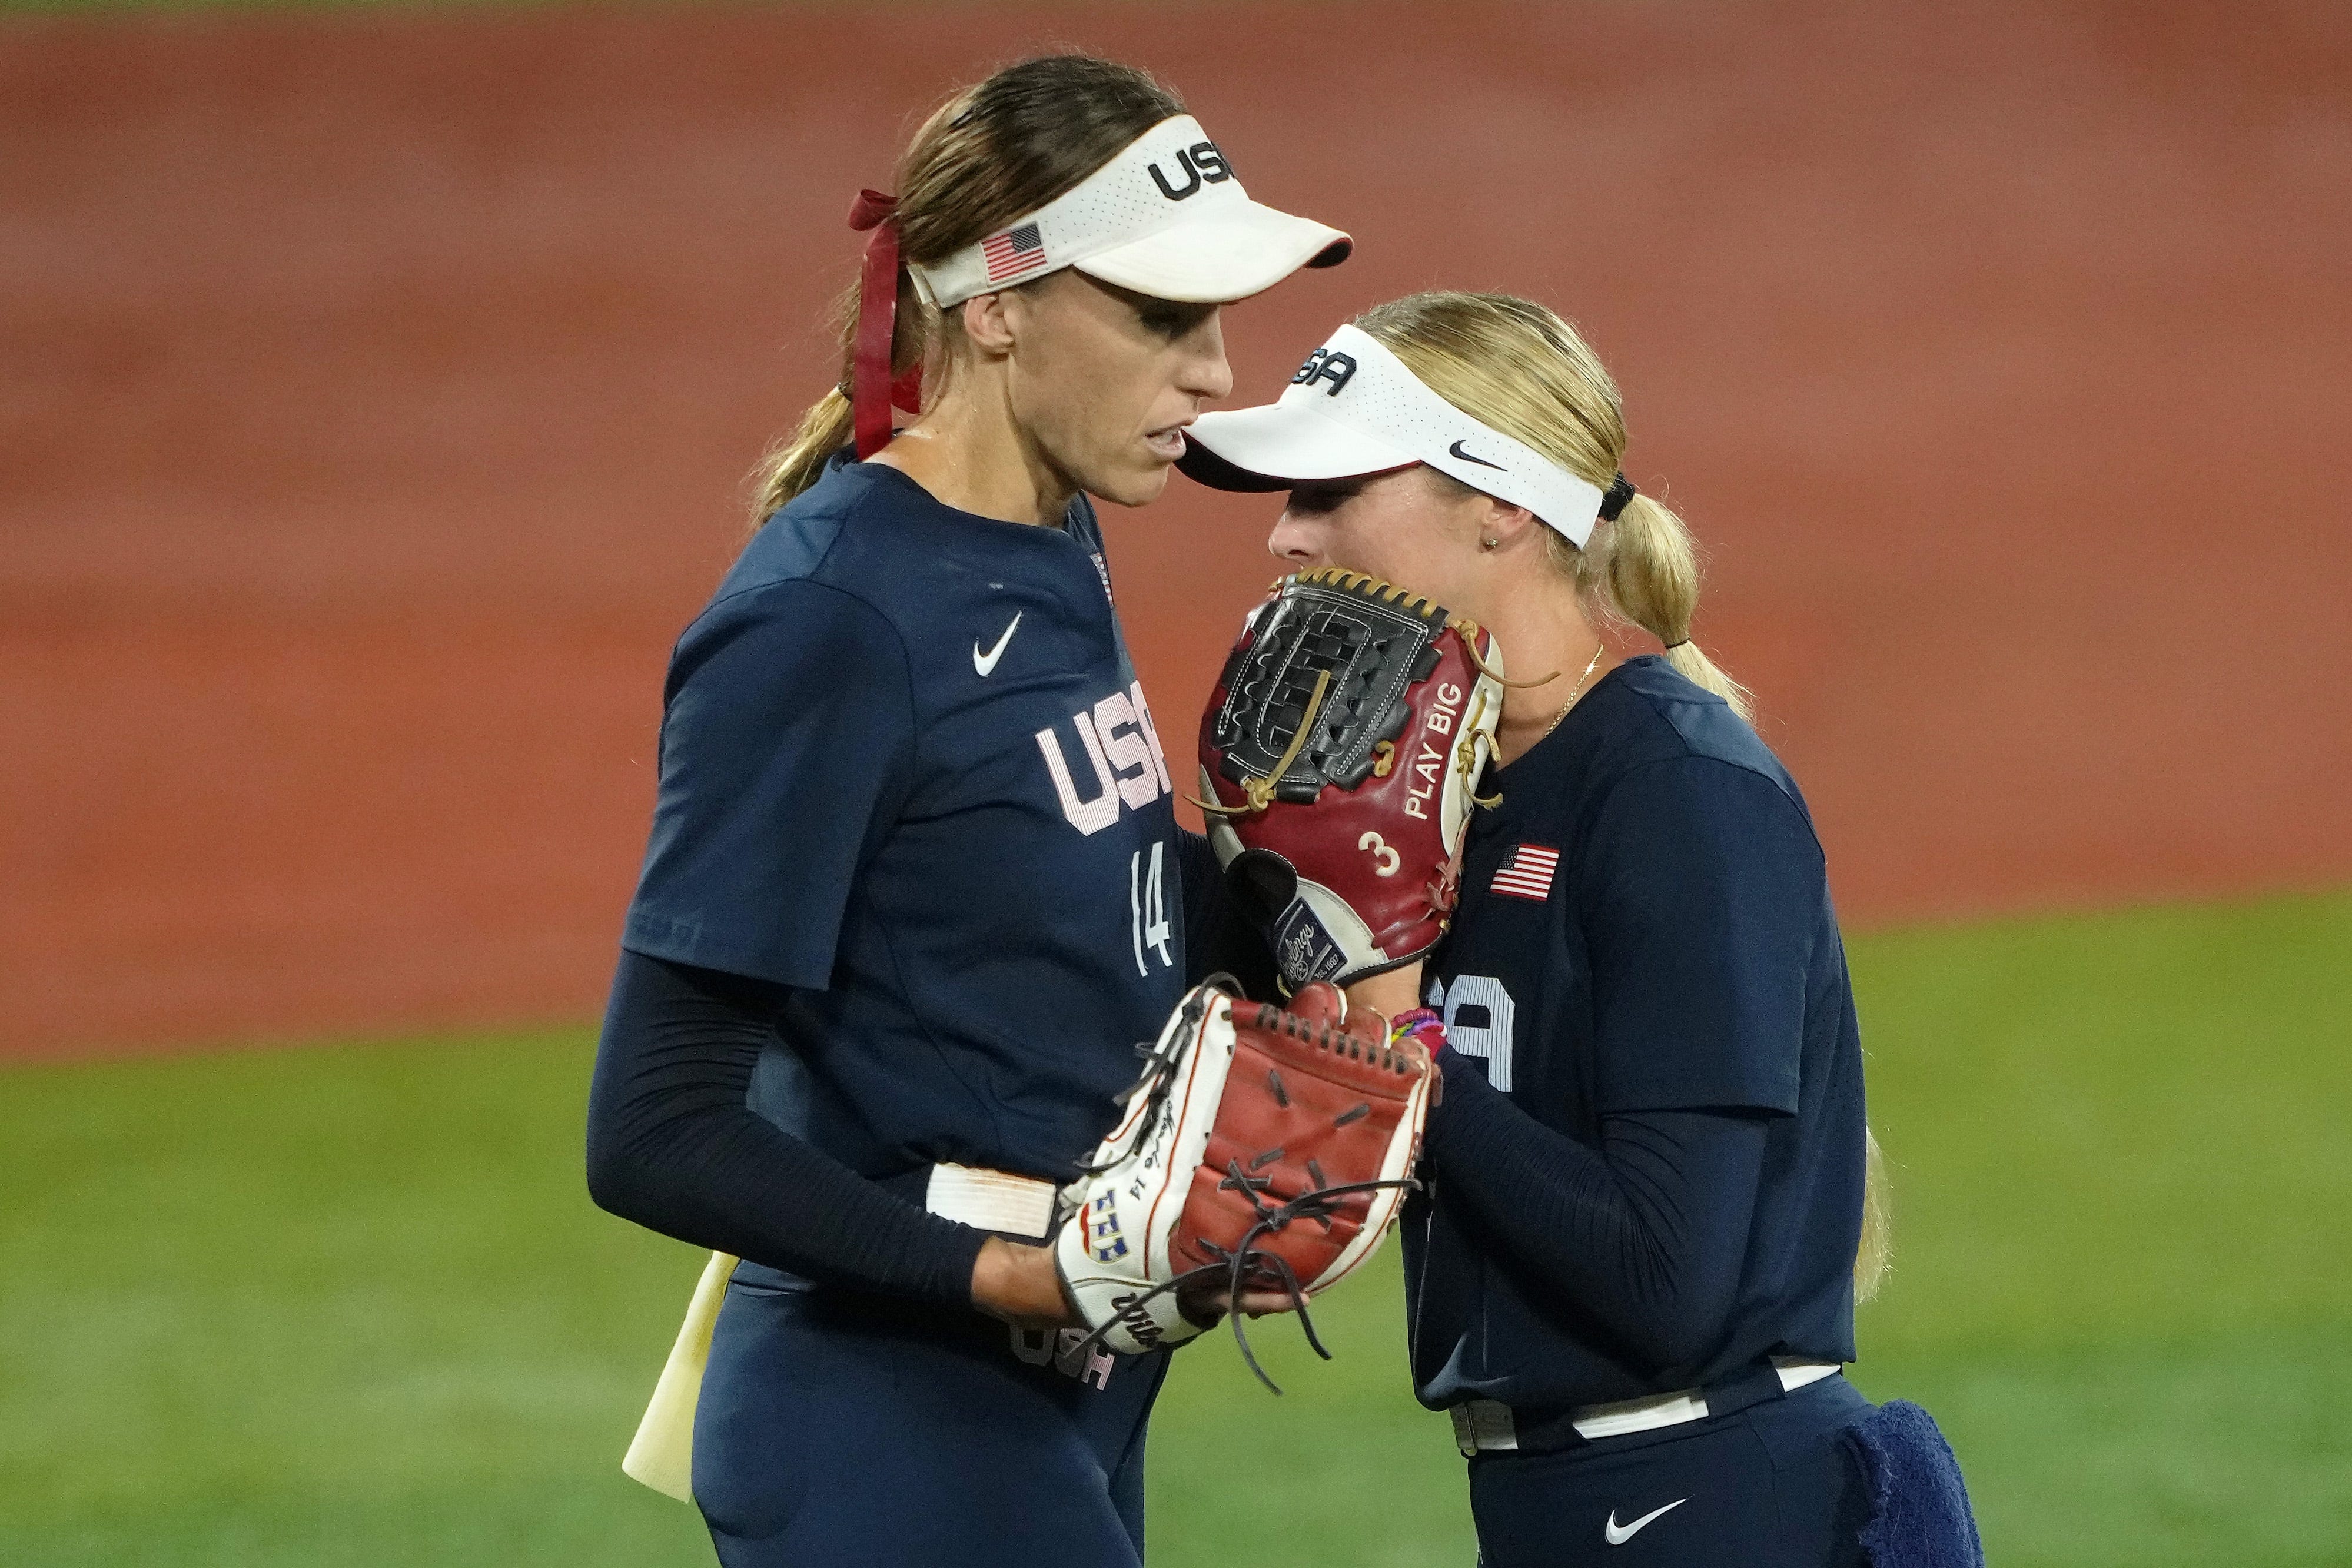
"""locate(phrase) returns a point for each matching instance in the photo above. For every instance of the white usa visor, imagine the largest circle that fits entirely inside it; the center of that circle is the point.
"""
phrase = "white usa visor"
(1165, 217)
(1353, 409)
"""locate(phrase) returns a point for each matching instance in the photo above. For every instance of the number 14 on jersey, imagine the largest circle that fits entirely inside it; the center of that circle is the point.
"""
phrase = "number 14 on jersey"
(1147, 908)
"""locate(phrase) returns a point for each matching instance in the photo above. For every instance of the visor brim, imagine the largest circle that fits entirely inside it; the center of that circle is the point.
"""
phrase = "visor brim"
(1280, 444)
(1227, 252)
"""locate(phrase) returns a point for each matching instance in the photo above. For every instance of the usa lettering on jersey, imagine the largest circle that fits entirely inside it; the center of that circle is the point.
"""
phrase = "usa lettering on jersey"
(1059, 1348)
(1480, 1018)
(1122, 750)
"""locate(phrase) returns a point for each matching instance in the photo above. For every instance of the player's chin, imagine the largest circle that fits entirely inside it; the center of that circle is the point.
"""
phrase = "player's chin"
(1138, 481)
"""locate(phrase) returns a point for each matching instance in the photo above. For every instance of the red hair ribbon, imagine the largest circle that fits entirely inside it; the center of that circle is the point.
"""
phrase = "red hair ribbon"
(872, 390)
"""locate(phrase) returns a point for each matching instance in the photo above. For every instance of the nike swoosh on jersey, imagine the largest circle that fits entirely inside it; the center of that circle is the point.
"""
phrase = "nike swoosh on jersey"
(1619, 1534)
(985, 663)
(1455, 450)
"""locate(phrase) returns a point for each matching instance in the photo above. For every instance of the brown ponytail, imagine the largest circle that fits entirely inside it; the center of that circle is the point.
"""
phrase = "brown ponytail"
(989, 154)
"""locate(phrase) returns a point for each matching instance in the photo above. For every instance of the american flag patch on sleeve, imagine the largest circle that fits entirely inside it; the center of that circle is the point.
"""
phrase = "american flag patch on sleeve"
(1525, 872)
(1014, 251)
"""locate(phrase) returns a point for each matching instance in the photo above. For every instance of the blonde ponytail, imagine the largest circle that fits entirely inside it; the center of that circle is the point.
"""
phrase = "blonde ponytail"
(1876, 1252)
(798, 463)
(1645, 567)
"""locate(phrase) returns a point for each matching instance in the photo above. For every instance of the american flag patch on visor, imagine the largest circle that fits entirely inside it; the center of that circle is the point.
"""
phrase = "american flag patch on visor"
(1014, 251)
(1525, 872)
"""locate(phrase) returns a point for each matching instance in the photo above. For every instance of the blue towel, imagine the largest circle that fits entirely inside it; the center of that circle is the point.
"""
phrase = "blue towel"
(1919, 1515)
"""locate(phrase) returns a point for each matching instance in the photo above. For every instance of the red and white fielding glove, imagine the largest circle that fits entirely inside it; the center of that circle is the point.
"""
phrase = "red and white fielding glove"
(1264, 1149)
(1340, 755)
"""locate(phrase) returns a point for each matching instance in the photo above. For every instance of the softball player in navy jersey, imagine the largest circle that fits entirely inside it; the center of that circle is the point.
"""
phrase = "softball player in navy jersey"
(1631, 1280)
(911, 897)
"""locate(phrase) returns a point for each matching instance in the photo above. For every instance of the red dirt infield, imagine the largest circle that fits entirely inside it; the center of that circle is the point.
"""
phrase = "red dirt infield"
(375, 389)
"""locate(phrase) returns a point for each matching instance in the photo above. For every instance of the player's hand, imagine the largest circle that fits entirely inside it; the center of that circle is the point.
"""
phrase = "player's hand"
(1263, 1144)
(1020, 1285)
(1208, 1306)
(1388, 994)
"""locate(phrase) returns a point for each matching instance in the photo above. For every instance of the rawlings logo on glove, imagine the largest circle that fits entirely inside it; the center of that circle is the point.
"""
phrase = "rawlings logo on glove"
(1264, 1149)
(1339, 756)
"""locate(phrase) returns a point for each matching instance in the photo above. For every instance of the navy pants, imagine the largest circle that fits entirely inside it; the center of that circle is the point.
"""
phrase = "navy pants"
(836, 1429)
(1773, 1486)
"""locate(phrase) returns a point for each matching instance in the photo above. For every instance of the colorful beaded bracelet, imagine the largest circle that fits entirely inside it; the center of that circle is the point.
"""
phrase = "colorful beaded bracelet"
(1421, 1024)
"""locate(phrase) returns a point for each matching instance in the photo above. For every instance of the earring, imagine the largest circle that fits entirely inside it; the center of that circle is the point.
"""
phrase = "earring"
(1489, 543)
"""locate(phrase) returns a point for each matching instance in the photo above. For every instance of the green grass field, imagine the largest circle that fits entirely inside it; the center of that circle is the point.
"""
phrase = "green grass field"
(351, 1305)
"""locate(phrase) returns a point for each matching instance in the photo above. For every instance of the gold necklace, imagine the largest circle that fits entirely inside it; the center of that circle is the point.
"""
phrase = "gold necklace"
(1575, 693)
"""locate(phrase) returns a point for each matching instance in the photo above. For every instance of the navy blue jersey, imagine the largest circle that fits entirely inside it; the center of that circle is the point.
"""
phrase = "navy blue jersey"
(906, 772)
(1645, 926)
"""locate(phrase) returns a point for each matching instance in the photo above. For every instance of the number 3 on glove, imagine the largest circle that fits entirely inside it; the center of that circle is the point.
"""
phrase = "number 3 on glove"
(1262, 1149)
(1338, 757)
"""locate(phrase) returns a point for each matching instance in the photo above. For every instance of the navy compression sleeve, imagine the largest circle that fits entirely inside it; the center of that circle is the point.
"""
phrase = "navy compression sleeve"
(1217, 938)
(1647, 1233)
(673, 1146)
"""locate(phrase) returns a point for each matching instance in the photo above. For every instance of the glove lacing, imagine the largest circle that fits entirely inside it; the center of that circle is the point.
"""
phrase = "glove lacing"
(1248, 1264)
(1258, 794)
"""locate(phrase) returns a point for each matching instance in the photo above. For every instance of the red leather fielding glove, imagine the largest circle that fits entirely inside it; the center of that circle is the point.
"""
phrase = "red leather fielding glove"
(1338, 757)
(1264, 1149)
